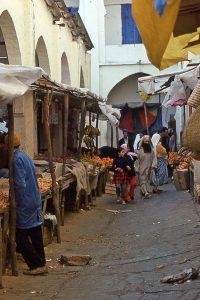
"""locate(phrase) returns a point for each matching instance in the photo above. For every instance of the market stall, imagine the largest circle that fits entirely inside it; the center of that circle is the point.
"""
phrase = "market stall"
(181, 90)
(61, 171)
(181, 162)
(15, 81)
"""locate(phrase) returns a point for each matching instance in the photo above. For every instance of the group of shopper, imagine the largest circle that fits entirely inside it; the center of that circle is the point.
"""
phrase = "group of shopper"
(148, 163)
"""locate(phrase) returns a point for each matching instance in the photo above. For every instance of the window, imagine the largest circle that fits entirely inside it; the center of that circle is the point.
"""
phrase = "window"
(130, 33)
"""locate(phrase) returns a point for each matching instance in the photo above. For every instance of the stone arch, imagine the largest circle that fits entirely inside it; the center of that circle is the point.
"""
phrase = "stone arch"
(82, 81)
(41, 56)
(65, 74)
(9, 47)
(125, 91)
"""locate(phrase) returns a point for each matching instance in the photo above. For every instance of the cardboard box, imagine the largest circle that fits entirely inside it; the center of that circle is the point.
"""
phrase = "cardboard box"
(181, 180)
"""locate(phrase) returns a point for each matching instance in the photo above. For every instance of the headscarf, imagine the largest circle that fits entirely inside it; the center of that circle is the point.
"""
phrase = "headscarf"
(124, 147)
(132, 155)
(145, 138)
(16, 140)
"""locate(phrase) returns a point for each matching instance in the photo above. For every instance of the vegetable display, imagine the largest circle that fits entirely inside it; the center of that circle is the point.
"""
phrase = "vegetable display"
(4, 195)
(44, 184)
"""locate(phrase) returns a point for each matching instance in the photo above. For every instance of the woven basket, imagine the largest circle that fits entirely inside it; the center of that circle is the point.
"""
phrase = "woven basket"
(194, 99)
(196, 155)
(191, 134)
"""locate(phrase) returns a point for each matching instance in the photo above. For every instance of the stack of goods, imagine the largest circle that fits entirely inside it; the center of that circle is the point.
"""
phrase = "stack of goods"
(45, 184)
(42, 156)
(4, 195)
(180, 159)
(181, 173)
(110, 187)
(90, 133)
(96, 161)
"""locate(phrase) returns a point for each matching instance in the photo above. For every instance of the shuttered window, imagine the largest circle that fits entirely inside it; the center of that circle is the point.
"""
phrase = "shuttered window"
(130, 33)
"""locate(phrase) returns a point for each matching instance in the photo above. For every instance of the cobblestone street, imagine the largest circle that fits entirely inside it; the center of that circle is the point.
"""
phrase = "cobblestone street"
(131, 251)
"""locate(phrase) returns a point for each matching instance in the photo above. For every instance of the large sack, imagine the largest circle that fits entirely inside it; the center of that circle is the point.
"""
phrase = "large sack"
(194, 99)
(191, 134)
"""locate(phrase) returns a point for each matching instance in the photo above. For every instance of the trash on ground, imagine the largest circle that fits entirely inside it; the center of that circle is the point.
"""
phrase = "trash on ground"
(113, 211)
(118, 211)
(185, 260)
(197, 225)
(162, 266)
(75, 260)
(187, 274)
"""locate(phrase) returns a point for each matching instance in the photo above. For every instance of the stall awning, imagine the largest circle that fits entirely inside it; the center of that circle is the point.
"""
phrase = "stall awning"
(169, 29)
(177, 85)
(15, 81)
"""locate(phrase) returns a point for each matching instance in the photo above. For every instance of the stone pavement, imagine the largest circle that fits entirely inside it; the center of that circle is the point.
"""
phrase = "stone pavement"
(132, 250)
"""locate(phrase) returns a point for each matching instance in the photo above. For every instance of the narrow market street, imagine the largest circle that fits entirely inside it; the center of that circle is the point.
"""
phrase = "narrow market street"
(131, 251)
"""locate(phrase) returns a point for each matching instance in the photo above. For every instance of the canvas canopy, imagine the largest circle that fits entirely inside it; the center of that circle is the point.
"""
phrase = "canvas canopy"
(177, 86)
(169, 29)
(15, 81)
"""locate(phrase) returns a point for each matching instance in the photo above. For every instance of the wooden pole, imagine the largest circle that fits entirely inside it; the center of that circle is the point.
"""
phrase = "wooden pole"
(12, 229)
(97, 125)
(117, 137)
(65, 131)
(82, 124)
(90, 118)
(146, 118)
(50, 158)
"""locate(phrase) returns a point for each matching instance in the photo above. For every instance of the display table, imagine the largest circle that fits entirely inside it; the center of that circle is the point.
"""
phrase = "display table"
(64, 183)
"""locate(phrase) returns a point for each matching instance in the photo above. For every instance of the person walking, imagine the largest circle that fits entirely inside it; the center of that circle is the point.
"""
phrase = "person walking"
(161, 156)
(120, 167)
(172, 140)
(28, 212)
(145, 163)
(131, 158)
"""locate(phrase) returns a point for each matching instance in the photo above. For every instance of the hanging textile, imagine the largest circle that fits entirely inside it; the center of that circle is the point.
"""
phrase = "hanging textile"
(133, 119)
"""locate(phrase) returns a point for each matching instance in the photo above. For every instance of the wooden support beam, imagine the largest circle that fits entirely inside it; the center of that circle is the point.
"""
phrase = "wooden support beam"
(65, 130)
(51, 167)
(12, 229)
(82, 124)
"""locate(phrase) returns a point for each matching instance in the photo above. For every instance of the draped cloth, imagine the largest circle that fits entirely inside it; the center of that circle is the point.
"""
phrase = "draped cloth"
(133, 119)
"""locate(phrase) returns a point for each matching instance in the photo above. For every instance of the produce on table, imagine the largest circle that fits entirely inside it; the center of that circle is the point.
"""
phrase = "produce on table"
(45, 184)
(172, 157)
(42, 156)
(182, 158)
(183, 166)
(97, 161)
(4, 195)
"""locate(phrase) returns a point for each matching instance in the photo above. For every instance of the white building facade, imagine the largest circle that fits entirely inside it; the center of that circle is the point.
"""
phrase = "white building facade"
(119, 57)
